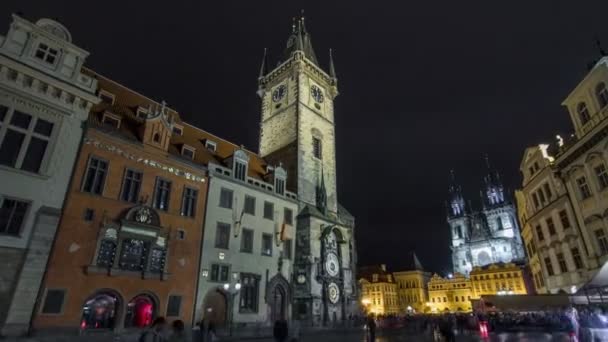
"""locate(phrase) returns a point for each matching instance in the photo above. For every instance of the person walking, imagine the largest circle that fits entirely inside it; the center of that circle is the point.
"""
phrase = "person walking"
(371, 329)
(177, 332)
(156, 332)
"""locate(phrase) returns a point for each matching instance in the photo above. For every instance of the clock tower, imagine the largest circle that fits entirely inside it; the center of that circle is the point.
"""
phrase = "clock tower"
(297, 130)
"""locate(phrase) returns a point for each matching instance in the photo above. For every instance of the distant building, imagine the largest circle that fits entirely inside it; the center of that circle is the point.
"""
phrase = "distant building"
(498, 279)
(412, 286)
(565, 192)
(379, 294)
(484, 237)
(450, 294)
(44, 100)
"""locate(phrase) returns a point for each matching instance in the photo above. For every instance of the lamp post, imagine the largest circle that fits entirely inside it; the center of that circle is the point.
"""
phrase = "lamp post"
(231, 289)
(366, 302)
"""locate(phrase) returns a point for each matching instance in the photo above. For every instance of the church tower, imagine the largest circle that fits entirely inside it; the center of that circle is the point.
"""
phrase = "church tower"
(297, 125)
(459, 221)
(297, 130)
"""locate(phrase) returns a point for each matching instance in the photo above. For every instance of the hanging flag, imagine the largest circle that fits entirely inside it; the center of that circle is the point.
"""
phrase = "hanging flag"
(237, 220)
(283, 231)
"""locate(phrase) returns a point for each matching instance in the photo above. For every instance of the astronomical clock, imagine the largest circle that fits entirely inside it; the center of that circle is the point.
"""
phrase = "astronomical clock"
(331, 268)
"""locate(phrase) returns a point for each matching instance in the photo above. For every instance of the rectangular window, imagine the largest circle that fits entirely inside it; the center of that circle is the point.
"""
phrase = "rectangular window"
(178, 130)
(247, 241)
(12, 216)
(133, 254)
(131, 185)
(288, 216)
(541, 196)
(287, 249)
(548, 191)
(583, 187)
(317, 148)
(220, 273)
(89, 214)
(563, 268)
(539, 233)
(95, 176)
(222, 235)
(23, 137)
(249, 207)
(106, 97)
(602, 241)
(53, 301)
(563, 216)
(174, 306)
(550, 226)
(46, 53)
(269, 210)
(240, 170)
(549, 266)
(249, 293)
(576, 257)
(188, 152)
(602, 176)
(111, 121)
(189, 202)
(267, 244)
(162, 193)
(226, 198)
(211, 145)
(535, 200)
(280, 186)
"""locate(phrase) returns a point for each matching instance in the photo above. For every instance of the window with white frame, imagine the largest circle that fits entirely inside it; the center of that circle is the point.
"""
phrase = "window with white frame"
(602, 95)
(24, 139)
(211, 145)
(12, 216)
(142, 113)
(602, 241)
(602, 176)
(46, 53)
(110, 120)
(583, 187)
(178, 130)
(279, 186)
(106, 97)
(240, 170)
(583, 113)
(188, 151)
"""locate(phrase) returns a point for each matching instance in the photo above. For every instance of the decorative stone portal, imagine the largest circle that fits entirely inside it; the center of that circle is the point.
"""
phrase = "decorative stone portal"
(141, 311)
(101, 311)
(214, 307)
(277, 296)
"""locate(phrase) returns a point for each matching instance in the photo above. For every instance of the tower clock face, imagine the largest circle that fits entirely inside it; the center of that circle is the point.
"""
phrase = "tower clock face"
(316, 93)
(279, 93)
(333, 292)
(332, 265)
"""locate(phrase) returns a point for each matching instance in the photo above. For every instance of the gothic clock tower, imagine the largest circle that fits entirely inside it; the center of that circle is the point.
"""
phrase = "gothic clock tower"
(297, 130)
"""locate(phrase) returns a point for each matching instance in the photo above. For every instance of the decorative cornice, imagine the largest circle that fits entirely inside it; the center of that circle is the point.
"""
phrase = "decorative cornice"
(146, 161)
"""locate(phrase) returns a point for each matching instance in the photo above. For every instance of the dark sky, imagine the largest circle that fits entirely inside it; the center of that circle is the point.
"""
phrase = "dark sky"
(426, 86)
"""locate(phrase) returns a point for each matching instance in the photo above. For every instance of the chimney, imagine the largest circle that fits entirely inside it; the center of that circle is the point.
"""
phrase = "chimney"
(383, 267)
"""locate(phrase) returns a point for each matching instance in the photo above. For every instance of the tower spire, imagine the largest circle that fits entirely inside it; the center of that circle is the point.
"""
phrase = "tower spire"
(264, 66)
(598, 44)
(332, 68)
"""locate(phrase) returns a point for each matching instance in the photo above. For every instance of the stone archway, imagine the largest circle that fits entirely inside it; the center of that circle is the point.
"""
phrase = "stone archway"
(277, 296)
(141, 311)
(214, 307)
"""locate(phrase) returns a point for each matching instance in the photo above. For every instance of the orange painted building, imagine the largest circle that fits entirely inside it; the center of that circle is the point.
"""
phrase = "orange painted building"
(128, 245)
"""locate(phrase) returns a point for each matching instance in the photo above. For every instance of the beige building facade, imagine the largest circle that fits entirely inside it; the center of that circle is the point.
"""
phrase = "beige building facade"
(449, 294)
(498, 279)
(379, 294)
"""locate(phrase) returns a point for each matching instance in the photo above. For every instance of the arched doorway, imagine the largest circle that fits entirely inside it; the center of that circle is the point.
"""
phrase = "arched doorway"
(214, 307)
(141, 311)
(100, 311)
(277, 308)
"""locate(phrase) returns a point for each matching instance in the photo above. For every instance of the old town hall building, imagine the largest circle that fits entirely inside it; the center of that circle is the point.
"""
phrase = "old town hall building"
(484, 237)
(298, 130)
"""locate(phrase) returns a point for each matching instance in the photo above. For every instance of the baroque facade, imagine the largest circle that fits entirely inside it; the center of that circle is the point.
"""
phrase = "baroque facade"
(298, 132)
(44, 99)
(379, 294)
(490, 235)
(565, 192)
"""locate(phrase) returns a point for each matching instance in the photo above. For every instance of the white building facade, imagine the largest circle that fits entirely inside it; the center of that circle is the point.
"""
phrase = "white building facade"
(248, 248)
(298, 130)
(44, 99)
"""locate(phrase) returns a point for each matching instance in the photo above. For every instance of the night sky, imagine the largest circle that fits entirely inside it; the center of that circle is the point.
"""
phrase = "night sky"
(425, 87)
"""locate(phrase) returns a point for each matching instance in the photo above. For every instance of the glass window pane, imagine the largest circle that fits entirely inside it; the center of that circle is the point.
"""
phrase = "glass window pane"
(35, 154)
(11, 145)
(21, 120)
(43, 127)
(3, 111)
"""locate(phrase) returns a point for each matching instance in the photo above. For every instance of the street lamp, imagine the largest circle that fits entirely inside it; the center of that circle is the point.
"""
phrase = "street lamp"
(231, 289)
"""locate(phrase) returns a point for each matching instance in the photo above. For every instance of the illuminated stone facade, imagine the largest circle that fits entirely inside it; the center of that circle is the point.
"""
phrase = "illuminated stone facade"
(412, 286)
(497, 279)
(483, 237)
(379, 294)
(565, 192)
(450, 294)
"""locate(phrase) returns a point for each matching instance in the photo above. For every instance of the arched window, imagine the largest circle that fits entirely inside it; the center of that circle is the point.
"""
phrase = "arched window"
(602, 94)
(499, 225)
(156, 137)
(583, 113)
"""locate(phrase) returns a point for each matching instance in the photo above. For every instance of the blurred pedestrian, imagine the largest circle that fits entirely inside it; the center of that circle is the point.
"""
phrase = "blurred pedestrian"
(177, 332)
(280, 331)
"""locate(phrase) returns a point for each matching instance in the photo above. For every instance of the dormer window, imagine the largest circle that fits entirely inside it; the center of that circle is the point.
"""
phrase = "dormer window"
(211, 145)
(156, 138)
(583, 113)
(46, 54)
(188, 151)
(142, 113)
(279, 186)
(106, 97)
(178, 130)
(240, 160)
(602, 94)
(111, 120)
